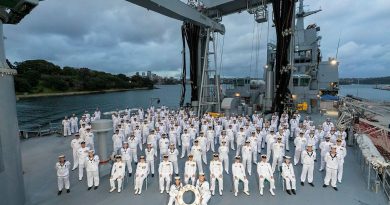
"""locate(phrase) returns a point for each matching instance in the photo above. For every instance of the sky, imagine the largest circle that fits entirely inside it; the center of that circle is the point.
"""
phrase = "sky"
(119, 37)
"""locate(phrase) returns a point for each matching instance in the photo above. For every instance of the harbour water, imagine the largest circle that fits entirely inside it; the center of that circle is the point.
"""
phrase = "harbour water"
(43, 110)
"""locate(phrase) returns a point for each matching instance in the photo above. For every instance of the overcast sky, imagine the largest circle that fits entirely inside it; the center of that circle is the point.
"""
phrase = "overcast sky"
(119, 37)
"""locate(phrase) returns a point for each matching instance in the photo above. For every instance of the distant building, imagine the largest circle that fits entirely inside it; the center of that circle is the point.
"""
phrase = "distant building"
(137, 73)
(143, 74)
(149, 74)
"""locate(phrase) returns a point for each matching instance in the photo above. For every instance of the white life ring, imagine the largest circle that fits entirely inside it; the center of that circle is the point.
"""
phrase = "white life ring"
(183, 190)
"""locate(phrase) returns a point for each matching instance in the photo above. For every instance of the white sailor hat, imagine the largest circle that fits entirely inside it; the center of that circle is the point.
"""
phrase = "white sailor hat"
(287, 157)
(247, 141)
(118, 156)
(238, 157)
(309, 145)
(142, 157)
(263, 156)
(279, 138)
(177, 178)
(77, 134)
(271, 129)
(333, 146)
(215, 155)
(88, 128)
(61, 156)
(93, 151)
(339, 140)
(201, 174)
(301, 132)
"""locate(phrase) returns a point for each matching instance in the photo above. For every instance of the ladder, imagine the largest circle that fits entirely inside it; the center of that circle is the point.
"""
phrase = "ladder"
(209, 97)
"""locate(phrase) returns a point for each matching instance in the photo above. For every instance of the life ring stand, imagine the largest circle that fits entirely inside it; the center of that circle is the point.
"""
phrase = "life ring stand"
(185, 189)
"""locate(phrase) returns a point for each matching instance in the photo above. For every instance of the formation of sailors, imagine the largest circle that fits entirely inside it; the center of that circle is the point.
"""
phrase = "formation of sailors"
(160, 132)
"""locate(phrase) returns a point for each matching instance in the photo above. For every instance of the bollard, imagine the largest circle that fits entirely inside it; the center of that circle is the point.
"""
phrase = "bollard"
(103, 130)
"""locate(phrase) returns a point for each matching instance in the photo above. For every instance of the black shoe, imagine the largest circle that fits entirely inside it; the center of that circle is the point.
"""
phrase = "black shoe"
(89, 188)
(152, 175)
(324, 185)
(293, 191)
(288, 150)
(59, 193)
(335, 188)
(136, 163)
(96, 187)
(68, 190)
(288, 192)
(302, 183)
(177, 175)
(311, 184)
(129, 174)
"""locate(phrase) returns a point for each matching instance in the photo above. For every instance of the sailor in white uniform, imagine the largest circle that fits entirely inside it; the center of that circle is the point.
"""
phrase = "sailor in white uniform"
(117, 173)
(186, 141)
(239, 175)
(126, 157)
(247, 157)
(172, 157)
(332, 160)
(190, 170)
(264, 171)
(324, 148)
(289, 175)
(278, 151)
(342, 152)
(89, 138)
(82, 153)
(196, 151)
(74, 128)
(174, 191)
(62, 167)
(141, 173)
(223, 151)
(300, 144)
(216, 173)
(133, 142)
(75, 144)
(117, 140)
(308, 157)
(66, 126)
(92, 168)
(204, 188)
(149, 153)
(165, 171)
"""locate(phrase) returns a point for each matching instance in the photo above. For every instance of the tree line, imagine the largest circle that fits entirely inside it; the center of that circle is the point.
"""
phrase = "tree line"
(40, 76)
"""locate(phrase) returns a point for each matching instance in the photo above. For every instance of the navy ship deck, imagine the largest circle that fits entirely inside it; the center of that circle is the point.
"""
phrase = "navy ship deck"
(40, 154)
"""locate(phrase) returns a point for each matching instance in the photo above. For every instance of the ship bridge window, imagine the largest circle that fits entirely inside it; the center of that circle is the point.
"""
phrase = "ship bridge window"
(304, 82)
(295, 81)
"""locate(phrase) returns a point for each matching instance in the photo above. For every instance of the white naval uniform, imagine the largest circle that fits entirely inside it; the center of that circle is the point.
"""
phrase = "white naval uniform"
(204, 189)
(240, 141)
(278, 152)
(76, 145)
(300, 144)
(82, 153)
(133, 142)
(63, 175)
(117, 173)
(325, 148)
(117, 140)
(92, 168)
(74, 128)
(66, 127)
(216, 172)
(202, 141)
(126, 157)
(239, 174)
(172, 157)
(289, 175)
(174, 190)
(230, 133)
(332, 164)
(190, 172)
(247, 158)
(264, 171)
(185, 140)
(165, 170)
(164, 146)
(149, 156)
(342, 152)
(210, 140)
(293, 125)
(271, 139)
(197, 153)
(141, 173)
(308, 165)
(224, 156)
(89, 140)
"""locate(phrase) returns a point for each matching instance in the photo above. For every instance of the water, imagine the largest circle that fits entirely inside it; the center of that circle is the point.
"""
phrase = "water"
(41, 111)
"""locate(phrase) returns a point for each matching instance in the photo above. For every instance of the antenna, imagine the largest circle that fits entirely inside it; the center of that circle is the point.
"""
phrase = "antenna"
(338, 45)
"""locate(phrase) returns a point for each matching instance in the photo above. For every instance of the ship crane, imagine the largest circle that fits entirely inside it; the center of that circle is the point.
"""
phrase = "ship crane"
(201, 22)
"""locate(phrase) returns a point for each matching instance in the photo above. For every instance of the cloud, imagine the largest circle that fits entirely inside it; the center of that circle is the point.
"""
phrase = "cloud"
(120, 37)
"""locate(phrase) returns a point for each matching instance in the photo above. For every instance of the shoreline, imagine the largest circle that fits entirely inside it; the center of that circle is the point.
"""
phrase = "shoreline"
(36, 95)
